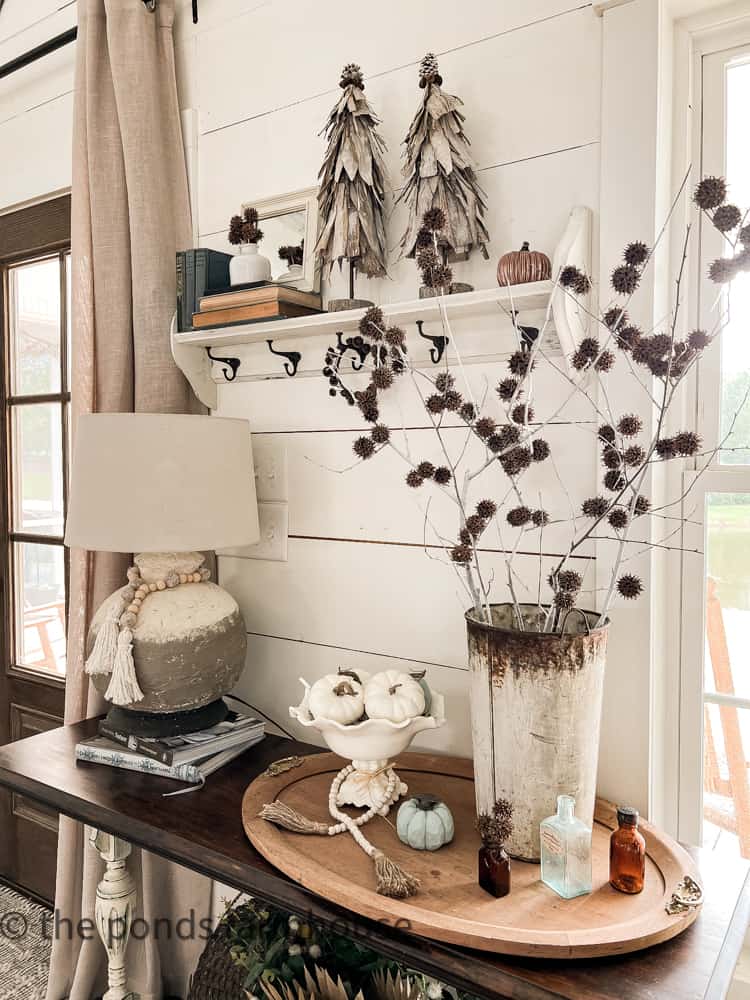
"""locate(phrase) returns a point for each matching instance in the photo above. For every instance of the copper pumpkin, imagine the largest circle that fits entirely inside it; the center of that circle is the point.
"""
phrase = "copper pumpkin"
(520, 266)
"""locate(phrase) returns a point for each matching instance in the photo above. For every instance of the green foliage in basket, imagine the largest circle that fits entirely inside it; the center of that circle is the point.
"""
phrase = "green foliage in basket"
(274, 947)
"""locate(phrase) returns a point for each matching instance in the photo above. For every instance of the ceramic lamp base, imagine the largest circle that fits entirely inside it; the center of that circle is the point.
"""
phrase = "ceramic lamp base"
(367, 787)
(162, 725)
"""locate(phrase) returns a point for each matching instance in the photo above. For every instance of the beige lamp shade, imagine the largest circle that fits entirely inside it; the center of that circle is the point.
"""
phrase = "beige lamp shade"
(157, 482)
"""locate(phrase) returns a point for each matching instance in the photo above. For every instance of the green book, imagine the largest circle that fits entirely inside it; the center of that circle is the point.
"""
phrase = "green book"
(198, 272)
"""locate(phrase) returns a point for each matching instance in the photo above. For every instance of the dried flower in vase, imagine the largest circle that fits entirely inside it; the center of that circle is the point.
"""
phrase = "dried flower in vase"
(244, 228)
(495, 829)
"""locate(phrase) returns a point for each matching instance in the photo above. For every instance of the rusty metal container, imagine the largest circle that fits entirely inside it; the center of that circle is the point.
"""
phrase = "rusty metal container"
(536, 703)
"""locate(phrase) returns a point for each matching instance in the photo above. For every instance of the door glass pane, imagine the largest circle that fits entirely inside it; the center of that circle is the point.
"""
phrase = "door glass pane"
(37, 468)
(35, 327)
(40, 606)
(727, 672)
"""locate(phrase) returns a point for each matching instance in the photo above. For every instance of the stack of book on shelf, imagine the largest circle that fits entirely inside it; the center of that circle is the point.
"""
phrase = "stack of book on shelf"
(245, 303)
(191, 758)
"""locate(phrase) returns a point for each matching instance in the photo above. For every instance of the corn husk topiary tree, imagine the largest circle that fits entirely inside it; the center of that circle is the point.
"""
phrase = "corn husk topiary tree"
(439, 170)
(352, 185)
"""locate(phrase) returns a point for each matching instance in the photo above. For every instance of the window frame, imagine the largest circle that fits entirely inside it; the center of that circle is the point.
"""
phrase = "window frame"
(712, 52)
(10, 402)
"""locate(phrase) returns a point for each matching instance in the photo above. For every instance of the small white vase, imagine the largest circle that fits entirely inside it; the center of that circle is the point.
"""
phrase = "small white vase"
(249, 265)
(294, 273)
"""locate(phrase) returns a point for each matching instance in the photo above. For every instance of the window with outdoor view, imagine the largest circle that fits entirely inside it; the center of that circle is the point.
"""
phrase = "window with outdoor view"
(37, 401)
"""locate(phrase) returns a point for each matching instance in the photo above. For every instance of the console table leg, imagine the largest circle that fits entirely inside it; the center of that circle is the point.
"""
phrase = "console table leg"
(116, 899)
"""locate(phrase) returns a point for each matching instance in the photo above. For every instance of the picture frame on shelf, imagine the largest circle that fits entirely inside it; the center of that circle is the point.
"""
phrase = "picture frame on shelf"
(290, 221)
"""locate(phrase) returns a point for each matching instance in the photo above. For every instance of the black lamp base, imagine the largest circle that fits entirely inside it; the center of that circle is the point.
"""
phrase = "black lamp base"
(154, 725)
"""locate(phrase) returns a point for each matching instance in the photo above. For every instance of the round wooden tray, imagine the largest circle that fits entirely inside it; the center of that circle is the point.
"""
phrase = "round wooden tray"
(450, 906)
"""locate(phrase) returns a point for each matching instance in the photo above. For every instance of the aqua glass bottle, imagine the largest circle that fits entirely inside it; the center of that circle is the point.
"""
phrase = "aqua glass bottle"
(566, 851)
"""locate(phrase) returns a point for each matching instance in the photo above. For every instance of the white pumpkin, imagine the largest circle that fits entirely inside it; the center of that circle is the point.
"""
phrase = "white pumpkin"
(337, 697)
(394, 695)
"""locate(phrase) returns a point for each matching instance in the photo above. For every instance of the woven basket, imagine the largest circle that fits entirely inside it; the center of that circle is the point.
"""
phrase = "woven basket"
(217, 977)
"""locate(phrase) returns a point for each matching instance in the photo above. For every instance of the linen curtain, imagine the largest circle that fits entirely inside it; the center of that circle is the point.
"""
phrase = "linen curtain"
(130, 213)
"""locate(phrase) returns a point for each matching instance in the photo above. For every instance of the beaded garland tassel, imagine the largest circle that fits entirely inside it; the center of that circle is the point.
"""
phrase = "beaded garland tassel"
(113, 648)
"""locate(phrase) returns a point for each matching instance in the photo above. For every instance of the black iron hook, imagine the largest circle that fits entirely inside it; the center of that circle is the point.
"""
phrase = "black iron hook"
(229, 373)
(293, 359)
(439, 344)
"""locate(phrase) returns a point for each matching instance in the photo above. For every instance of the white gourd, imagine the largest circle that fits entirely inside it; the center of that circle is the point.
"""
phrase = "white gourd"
(394, 695)
(338, 698)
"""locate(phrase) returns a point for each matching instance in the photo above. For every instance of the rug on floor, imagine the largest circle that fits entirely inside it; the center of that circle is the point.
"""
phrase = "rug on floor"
(25, 946)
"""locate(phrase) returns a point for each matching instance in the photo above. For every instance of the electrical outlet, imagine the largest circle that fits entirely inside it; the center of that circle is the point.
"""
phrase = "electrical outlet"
(271, 478)
(273, 519)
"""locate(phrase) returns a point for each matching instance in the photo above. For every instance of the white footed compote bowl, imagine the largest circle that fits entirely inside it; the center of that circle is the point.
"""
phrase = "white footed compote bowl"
(371, 746)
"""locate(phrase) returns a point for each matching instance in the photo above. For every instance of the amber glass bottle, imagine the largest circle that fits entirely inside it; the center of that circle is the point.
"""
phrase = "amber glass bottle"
(494, 871)
(627, 853)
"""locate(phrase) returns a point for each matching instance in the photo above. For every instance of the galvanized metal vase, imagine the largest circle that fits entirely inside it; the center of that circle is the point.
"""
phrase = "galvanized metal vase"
(536, 703)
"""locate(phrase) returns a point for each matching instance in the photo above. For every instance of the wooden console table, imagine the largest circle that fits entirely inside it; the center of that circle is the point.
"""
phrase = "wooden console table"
(203, 831)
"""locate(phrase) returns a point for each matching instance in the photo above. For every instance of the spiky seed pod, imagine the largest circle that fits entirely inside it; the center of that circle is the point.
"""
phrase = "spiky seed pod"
(642, 351)
(569, 275)
(461, 554)
(509, 434)
(666, 448)
(442, 475)
(372, 323)
(642, 505)
(579, 361)
(627, 337)
(744, 235)
(475, 525)
(540, 518)
(414, 479)
(540, 450)
(435, 403)
(506, 389)
(564, 600)
(395, 336)
(629, 586)
(434, 219)
(351, 74)
(468, 412)
(611, 457)
(485, 426)
(486, 509)
(382, 377)
(636, 253)
(614, 480)
(582, 284)
(722, 270)
(495, 443)
(380, 434)
(659, 367)
(625, 279)
(595, 506)
(629, 425)
(369, 411)
(516, 461)
(699, 340)
(618, 518)
(687, 443)
(605, 361)
(522, 414)
(453, 400)
(659, 344)
(710, 193)
(634, 455)
(464, 537)
(427, 258)
(424, 239)
(518, 516)
(235, 229)
(426, 470)
(607, 434)
(518, 363)
(589, 348)
(568, 579)
(444, 382)
(442, 276)
(726, 218)
(364, 447)
(615, 318)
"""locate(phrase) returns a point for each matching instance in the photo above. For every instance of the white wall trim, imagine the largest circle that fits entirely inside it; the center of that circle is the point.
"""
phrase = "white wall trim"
(601, 8)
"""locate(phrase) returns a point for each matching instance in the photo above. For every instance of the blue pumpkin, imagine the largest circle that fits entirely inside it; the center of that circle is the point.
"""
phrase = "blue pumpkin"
(424, 823)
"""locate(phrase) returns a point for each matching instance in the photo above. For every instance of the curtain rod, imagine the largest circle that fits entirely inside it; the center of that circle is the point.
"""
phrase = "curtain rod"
(38, 52)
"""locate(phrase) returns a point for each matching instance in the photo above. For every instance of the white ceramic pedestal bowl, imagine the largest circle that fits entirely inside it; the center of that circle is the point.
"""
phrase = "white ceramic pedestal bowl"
(371, 747)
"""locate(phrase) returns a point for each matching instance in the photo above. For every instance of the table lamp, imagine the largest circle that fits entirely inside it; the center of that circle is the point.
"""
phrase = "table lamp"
(167, 645)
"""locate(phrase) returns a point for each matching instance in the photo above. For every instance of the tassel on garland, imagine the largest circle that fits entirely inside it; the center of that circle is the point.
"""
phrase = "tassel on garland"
(281, 814)
(123, 686)
(102, 658)
(392, 880)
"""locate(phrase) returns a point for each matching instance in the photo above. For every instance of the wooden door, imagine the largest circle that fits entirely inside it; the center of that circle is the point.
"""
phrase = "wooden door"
(34, 435)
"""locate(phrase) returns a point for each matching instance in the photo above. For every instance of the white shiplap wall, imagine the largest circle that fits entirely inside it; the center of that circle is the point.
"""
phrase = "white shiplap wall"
(358, 587)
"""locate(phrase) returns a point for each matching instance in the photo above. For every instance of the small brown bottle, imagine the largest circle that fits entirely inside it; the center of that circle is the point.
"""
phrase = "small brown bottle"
(494, 870)
(627, 853)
